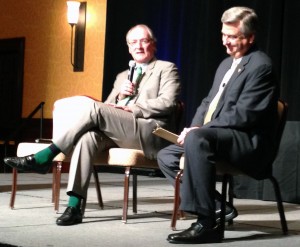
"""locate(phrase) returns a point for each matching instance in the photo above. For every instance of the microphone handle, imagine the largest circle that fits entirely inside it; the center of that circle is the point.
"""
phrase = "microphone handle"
(130, 74)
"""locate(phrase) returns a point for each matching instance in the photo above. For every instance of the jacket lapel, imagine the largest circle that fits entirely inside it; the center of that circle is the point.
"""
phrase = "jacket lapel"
(231, 83)
(145, 77)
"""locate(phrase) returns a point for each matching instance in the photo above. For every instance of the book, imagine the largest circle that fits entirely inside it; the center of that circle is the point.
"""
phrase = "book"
(163, 133)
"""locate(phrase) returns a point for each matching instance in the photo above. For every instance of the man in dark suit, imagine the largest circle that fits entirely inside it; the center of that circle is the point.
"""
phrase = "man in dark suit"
(86, 127)
(235, 123)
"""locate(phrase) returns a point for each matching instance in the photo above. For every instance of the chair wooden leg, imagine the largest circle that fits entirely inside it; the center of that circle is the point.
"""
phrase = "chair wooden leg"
(57, 185)
(126, 194)
(134, 193)
(176, 199)
(98, 189)
(54, 171)
(284, 226)
(13, 188)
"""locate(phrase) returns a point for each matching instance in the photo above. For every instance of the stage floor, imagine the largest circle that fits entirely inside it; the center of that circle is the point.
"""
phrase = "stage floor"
(32, 222)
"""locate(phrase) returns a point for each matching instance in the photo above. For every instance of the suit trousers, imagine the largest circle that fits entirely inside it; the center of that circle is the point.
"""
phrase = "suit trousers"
(86, 127)
(203, 147)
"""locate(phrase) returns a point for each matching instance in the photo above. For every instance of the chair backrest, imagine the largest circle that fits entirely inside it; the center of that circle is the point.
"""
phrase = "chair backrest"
(282, 108)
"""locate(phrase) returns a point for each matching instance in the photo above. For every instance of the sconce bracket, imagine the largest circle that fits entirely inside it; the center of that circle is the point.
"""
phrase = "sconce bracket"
(79, 41)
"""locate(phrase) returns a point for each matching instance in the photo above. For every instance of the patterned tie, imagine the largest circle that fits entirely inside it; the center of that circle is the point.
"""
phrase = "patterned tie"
(136, 79)
(213, 104)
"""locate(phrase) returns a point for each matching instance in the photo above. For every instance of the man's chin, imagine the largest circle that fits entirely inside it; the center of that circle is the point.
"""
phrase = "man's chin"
(141, 59)
(229, 51)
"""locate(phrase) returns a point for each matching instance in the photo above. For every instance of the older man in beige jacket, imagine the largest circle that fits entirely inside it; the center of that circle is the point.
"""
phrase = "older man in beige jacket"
(126, 119)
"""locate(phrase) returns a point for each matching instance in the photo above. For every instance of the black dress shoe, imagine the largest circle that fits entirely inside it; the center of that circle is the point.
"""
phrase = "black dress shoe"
(230, 213)
(71, 216)
(197, 234)
(27, 163)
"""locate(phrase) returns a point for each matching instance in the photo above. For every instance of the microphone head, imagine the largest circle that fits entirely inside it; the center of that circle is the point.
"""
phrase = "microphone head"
(131, 63)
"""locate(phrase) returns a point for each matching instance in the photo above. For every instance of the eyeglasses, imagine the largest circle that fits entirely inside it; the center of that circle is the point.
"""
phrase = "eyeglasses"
(143, 42)
(232, 37)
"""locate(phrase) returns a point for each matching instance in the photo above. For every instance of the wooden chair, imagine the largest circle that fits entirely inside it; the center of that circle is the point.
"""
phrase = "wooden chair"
(226, 171)
(133, 159)
(129, 159)
(27, 148)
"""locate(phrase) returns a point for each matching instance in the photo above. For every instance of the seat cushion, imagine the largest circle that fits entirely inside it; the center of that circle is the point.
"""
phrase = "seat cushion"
(130, 157)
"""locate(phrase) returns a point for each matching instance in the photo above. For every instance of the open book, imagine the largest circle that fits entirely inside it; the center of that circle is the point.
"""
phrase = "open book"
(163, 133)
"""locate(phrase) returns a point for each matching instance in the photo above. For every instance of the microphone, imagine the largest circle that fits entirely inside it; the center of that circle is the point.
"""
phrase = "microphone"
(131, 69)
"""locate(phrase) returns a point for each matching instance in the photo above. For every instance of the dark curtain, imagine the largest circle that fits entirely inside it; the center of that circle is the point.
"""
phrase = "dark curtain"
(189, 34)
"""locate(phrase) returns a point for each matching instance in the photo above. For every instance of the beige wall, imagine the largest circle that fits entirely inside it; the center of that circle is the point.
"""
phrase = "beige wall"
(48, 74)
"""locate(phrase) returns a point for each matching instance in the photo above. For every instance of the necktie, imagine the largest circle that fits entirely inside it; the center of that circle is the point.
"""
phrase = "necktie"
(213, 104)
(137, 74)
(136, 79)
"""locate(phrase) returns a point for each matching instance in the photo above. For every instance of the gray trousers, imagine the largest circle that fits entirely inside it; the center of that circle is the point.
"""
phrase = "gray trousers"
(203, 147)
(85, 128)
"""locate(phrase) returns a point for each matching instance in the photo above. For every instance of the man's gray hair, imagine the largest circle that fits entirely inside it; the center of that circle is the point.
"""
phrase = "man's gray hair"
(247, 17)
(148, 29)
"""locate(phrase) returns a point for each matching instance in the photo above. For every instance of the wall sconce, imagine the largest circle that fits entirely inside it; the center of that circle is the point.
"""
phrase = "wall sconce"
(77, 20)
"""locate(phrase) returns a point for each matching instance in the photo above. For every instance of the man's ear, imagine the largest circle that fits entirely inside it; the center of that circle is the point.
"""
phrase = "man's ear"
(251, 38)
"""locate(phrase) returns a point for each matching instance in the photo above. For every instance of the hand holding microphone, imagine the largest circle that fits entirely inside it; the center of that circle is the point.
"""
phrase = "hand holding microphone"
(127, 88)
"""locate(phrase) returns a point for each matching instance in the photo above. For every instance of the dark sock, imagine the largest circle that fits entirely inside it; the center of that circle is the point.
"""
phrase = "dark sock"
(205, 221)
(74, 202)
(46, 155)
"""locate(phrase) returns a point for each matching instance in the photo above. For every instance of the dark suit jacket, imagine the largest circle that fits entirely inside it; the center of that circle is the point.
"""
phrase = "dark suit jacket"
(155, 103)
(248, 107)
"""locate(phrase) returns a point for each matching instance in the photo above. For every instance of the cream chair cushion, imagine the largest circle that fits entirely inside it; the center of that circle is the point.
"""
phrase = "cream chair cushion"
(130, 157)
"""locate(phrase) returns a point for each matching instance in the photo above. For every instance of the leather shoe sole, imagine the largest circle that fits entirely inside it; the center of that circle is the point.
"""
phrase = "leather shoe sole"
(197, 234)
(27, 163)
(71, 216)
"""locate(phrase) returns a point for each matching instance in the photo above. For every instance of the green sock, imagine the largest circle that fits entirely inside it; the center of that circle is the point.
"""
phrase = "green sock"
(46, 155)
(74, 202)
